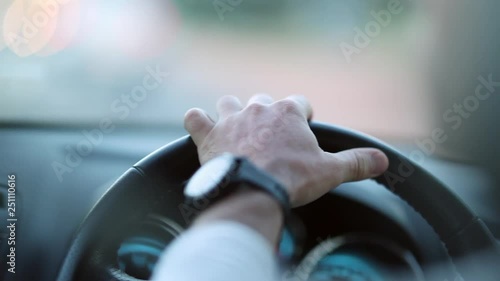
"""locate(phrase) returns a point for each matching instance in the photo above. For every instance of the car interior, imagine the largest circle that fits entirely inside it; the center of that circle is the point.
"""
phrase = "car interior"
(94, 156)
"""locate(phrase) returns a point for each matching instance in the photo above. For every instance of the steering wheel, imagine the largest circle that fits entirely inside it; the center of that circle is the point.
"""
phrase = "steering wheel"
(155, 185)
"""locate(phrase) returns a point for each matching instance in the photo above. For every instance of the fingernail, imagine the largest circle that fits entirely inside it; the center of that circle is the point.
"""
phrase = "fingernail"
(380, 162)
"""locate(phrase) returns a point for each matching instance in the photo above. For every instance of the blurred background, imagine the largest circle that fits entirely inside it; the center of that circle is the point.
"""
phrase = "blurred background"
(90, 53)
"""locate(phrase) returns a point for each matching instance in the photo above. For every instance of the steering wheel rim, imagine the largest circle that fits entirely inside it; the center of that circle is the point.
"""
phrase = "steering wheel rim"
(159, 178)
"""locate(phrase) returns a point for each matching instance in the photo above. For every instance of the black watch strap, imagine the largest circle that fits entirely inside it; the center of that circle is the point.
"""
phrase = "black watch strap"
(249, 174)
(241, 174)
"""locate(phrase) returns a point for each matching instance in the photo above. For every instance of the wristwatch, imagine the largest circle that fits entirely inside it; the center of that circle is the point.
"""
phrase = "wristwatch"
(227, 174)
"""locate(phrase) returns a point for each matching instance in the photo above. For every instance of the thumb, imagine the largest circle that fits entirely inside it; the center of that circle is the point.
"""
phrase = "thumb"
(358, 164)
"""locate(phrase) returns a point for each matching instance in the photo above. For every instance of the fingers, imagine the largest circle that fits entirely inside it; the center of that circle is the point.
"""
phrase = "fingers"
(228, 105)
(261, 98)
(198, 124)
(357, 164)
(303, 105)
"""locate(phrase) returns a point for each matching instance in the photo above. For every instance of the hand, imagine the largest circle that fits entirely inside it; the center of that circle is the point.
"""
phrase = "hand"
(276, 137)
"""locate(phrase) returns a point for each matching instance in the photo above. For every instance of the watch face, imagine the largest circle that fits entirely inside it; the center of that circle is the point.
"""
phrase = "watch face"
(209, 176)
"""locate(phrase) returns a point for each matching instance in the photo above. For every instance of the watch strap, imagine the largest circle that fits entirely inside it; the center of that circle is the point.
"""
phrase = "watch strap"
(248, 173)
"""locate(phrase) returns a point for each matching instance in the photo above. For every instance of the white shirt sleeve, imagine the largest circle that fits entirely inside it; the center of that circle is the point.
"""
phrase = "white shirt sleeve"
(225, 251)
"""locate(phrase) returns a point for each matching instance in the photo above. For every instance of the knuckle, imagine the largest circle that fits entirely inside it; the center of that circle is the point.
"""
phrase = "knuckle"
(351, 164)
(258, 97)
(255, 108)
(225, 99)
(287, 107)
(358, 166)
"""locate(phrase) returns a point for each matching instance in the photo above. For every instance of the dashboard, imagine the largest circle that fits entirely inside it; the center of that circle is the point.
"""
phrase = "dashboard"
(360, 231)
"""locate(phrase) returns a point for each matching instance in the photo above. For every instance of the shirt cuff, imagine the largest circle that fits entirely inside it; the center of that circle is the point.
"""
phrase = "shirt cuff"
(224, 251)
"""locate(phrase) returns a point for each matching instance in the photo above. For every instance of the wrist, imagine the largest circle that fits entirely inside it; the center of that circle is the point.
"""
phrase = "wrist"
(291, 175)
(254, 208)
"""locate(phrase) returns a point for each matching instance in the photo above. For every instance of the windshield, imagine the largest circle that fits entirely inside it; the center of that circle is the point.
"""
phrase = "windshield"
(147, 62)
(391, 68)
